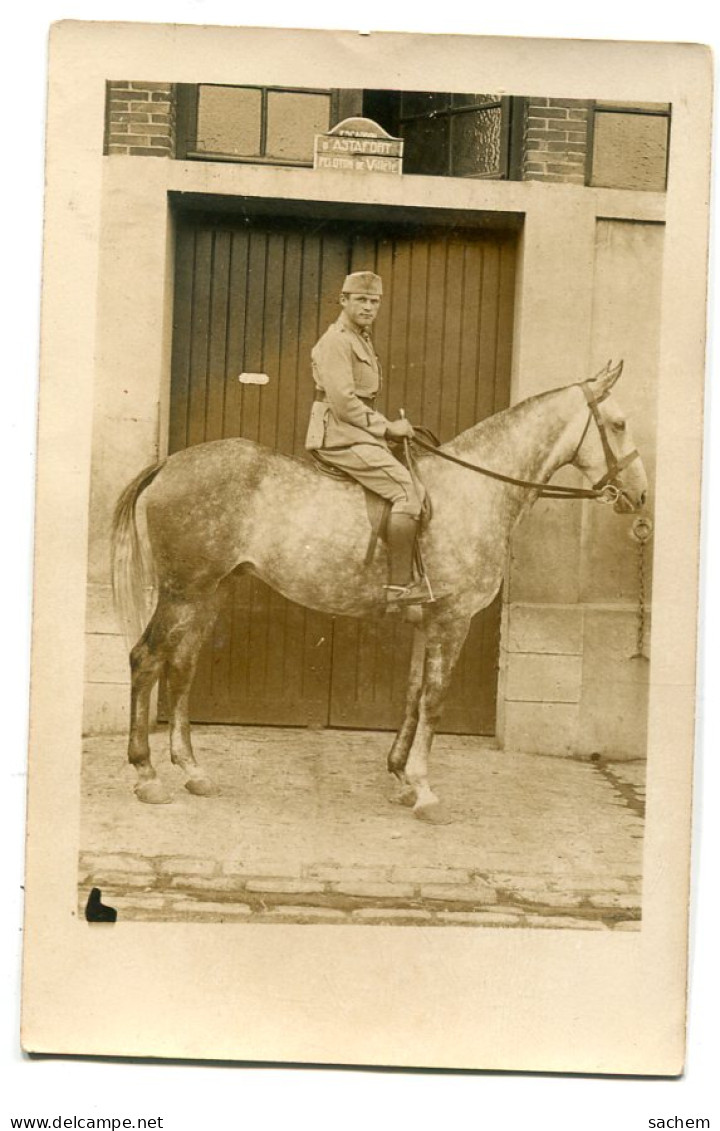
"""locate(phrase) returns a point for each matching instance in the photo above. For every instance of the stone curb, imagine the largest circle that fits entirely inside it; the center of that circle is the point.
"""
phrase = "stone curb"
(158, 907)
(188, 886)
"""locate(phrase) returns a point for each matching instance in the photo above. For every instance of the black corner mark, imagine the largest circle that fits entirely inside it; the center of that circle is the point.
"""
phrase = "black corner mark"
(96, 911)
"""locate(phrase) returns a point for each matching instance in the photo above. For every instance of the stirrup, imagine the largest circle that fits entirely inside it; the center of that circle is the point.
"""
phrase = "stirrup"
(416, 593)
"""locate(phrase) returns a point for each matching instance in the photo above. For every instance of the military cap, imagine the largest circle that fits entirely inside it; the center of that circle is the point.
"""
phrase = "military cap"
(362, 283)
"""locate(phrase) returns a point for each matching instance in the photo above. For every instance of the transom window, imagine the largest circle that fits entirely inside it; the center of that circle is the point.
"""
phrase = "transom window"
(621, 145)
(455, 135)
(276, 125)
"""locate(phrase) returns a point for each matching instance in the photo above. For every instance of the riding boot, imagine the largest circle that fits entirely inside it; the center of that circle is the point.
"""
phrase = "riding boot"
(402, 589)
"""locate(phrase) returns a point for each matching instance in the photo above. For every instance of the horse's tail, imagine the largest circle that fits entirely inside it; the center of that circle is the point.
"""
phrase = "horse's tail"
(133, 572)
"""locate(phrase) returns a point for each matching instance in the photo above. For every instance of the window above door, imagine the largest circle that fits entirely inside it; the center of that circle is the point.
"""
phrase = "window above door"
(607, 145)
(275, 125)
(447, 135)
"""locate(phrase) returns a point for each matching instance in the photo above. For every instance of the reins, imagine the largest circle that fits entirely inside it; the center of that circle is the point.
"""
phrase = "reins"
(604, 490)
(546, 490)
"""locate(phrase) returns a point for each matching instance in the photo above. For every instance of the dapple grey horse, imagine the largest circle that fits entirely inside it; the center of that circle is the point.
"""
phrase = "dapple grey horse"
(232, 506)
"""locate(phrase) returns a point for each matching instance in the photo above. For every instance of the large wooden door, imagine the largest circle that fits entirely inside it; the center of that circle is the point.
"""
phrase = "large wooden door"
(253, 297)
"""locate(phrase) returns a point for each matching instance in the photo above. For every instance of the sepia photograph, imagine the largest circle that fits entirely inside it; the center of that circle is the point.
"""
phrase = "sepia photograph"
(350, 517)
(368, 445)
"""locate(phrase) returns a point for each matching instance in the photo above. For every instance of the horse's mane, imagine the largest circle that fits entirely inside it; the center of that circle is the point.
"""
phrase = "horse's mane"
(495, 426)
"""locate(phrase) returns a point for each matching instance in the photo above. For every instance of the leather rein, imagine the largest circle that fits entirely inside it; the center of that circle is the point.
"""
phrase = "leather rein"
(604, 491)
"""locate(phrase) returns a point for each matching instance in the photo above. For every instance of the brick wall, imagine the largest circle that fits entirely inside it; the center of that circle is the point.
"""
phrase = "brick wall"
(556, 140)
(140, 119)
(141, 122)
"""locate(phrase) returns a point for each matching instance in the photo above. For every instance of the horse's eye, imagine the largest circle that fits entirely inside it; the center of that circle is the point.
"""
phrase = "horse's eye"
(618, 426)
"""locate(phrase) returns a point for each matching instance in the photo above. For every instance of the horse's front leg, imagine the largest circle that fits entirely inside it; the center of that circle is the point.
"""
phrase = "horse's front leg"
(400, 749)
(442, 650)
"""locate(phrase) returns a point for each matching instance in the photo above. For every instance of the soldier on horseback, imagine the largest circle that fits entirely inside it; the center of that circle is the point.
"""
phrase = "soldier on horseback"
(347, 432)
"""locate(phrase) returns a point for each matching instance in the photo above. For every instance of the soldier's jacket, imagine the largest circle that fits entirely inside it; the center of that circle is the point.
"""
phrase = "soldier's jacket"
(345, 369)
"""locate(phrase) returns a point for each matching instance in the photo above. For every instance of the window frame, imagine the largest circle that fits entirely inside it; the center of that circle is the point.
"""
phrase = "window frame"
(508, 163)
(187, 103)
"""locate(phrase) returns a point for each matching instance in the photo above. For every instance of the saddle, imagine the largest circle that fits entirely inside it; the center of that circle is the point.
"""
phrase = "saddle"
(378, 509)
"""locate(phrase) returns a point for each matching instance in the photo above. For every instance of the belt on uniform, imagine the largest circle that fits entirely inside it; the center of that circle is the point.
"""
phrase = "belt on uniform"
(369, 401)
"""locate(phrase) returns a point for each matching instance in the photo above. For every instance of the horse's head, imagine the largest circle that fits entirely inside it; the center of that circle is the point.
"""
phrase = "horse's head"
(606, 453)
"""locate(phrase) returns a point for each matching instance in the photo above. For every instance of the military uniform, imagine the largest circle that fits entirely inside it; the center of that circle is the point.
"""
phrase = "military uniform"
(346, 430)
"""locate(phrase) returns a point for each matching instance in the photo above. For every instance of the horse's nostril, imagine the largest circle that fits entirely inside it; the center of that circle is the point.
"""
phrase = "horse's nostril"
(643, 498)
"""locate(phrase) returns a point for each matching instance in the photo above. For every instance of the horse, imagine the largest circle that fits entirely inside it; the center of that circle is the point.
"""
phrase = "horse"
(232, 506)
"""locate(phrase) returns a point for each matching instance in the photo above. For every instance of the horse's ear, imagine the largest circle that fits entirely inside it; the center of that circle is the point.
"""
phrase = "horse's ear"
(603, 381)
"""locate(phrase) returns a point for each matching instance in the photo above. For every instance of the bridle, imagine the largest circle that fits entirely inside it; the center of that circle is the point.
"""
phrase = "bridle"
(614, 465)
(605, 490)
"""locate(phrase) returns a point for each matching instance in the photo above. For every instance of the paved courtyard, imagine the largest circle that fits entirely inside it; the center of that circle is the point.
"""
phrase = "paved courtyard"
(307, 829)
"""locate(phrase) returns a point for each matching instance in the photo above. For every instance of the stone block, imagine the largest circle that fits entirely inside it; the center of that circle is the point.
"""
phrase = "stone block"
(479, 919)
(549, 898)
(241, 869)
(615, 900)
(200, 907)
(100, 863)
(291, 887)
(375, 891)
(564, 922)
(106, 659)
(544, 628)
(431, 875)
(186, 866)
(614, 702)
(389, 915)
(545, 555)
(140, 901)
(106, 708)
(470, 893)
(610, 642)
(100, 612)
(538, 678)
(541, 728)
(110, 881)
(336, 873)
(308, 914)
(207, 885)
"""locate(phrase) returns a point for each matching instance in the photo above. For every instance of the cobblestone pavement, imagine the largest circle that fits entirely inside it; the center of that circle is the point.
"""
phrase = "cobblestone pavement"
(306, 829)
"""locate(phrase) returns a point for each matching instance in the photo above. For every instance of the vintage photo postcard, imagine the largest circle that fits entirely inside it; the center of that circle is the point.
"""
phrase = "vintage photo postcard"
(368, 511)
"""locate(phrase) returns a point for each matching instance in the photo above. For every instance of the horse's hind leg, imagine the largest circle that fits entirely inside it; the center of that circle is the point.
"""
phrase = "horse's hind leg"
(146, 663)
(172, 639)
(194, 624)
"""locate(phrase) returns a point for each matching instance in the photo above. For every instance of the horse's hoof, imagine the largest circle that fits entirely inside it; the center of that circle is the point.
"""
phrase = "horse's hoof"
(407, 796)
(202, 787)
(434, 814)
(152, 793)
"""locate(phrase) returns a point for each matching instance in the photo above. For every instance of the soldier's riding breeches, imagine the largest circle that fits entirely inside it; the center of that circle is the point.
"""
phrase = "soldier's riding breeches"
(378, 470)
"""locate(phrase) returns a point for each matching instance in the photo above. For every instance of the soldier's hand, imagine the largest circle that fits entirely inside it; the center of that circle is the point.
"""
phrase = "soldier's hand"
(400, 430)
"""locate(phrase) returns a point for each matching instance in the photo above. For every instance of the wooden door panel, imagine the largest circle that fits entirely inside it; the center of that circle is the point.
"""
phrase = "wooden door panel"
(255, 297)
(267, 662)
(438, 342)
(369, 673)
